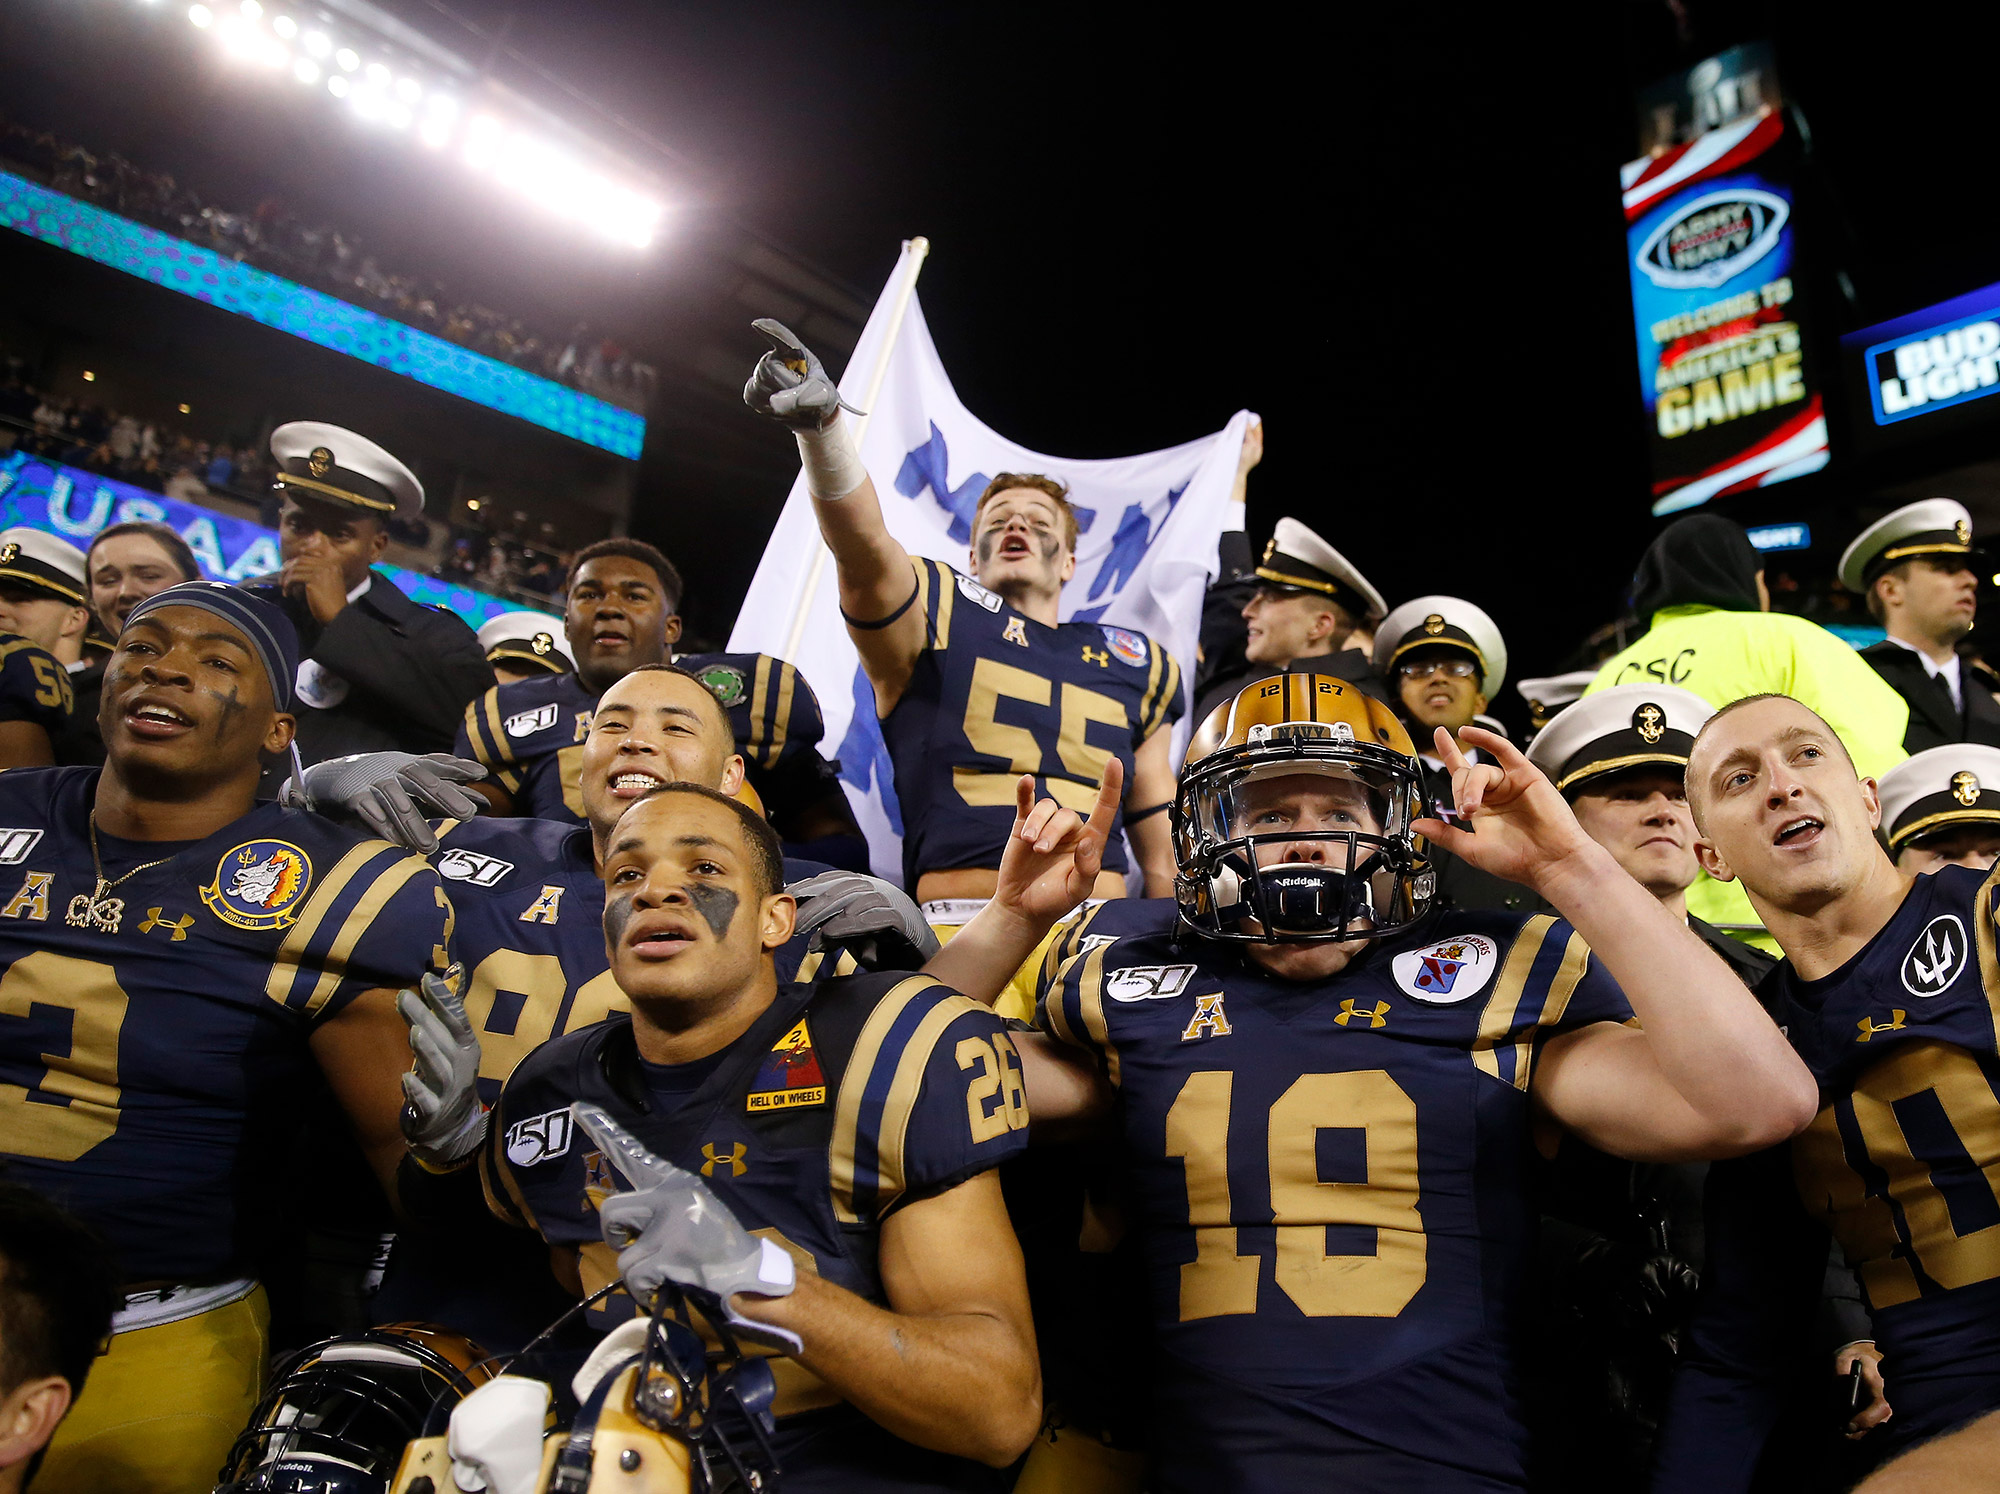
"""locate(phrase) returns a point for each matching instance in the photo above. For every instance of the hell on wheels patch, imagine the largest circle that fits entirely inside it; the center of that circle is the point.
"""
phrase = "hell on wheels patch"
(791, 1074)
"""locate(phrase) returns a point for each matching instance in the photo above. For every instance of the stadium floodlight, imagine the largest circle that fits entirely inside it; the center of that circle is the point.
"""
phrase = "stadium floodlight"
(285, 26)
(316, 44)
(201, 16)
(348, 59)
(378, 75)
(409, 90)
(398, 116)
(252, 9)
(337, 86)
(306, 70)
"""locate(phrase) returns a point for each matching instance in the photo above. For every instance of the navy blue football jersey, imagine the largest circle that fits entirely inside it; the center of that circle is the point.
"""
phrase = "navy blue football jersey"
(1902, 1164)
(850, 1098)
(33, 686)
(1328, 1183)
(996, 694)
(154, 1037)
(530, 733)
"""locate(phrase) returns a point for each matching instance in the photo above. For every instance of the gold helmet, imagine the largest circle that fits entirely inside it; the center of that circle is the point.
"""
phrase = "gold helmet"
(1292, 819)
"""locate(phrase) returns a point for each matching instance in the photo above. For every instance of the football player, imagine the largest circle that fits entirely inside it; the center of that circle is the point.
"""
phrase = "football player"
(42, 593)
(1889, 991)
(176, 960)
(820, 1155)
(530, 935)
(976, 678)
(1327, 1094)
(622, 612)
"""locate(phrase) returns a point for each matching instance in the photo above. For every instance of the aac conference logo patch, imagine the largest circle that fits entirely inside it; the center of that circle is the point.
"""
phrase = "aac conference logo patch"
(1447, 971)
(1937, 957)
(260, 884)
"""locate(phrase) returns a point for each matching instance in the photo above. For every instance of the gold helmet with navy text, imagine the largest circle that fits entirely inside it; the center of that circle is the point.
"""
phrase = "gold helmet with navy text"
(1292, 820)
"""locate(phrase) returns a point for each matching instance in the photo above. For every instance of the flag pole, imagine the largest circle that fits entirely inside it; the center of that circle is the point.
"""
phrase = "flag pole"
(915, 251)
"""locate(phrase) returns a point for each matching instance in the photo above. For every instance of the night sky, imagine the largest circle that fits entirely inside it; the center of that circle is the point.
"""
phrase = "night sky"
(1397, 238)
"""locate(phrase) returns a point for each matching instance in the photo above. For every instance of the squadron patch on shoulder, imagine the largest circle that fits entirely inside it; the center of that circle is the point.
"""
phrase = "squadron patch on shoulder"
(260, 884)
(791, 1075)
(725, 683)
(1937, 957)
(1448, 971)
(1126, 644)
(527, 723)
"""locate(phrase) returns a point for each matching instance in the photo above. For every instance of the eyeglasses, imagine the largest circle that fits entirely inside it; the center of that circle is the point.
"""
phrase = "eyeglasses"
(1423, 669)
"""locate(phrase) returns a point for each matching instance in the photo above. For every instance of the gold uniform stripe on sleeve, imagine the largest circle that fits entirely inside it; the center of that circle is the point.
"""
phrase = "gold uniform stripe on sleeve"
(904, 1089)
(471, 725)
(1170, 688)
(854, 1084)
(1983, 912)
(501, 747)
(947, 590)
(506, 1201)
(285, 969)
(372, 902)
(788, 679)
(1147, 698)
(1575, 960)
(1090, 1002)
(759, 690)
(1498, 1018)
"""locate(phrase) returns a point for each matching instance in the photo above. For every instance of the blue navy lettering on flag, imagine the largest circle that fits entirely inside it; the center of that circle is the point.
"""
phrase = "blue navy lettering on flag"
(1146, 547)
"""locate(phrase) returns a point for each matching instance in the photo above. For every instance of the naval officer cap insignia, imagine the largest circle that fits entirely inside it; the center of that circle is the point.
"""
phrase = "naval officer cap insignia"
(1298, 560)
(1547, 696)
(1443, 622)
(324, 462)
(1628, 726)
(530, 640)
(37, 564)
(1940, 789)
(1937, 528)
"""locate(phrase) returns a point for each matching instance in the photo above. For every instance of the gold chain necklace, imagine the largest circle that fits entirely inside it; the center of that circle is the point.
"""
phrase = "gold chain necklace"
(94, 910)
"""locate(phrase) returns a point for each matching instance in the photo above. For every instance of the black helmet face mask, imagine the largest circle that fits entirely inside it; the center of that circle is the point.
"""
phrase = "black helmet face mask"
(1297, 845)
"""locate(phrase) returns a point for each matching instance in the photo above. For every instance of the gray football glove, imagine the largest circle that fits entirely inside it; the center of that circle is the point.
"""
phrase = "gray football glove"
(876, 922)
(670, 1227)
(789, 385)
(392, 793)
(443, 1121)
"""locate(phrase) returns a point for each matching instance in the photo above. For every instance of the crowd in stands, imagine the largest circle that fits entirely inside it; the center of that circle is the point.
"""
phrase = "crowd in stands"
(272, 236)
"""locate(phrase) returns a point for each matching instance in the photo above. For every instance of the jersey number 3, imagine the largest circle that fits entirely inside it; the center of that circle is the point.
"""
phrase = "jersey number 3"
(1219, 1281)
(73, 1105)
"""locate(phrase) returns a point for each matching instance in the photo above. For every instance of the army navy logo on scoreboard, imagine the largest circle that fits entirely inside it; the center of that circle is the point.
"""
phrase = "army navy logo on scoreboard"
(1937, 957)
(1148, 982)
(260, 884)
(470, 866)
(1713, 239)
(1448, 971)
(1126, 644)
(15, 845)
(539, 1137)
(725, 683)
(529, 722)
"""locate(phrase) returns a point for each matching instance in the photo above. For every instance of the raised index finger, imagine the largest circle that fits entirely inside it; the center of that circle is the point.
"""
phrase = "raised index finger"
(1110, 793)
(626, 1152)
(1502, 751)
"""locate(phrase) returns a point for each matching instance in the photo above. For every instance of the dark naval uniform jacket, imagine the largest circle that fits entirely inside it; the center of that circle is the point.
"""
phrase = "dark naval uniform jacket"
(1933, 720)
(387, 674)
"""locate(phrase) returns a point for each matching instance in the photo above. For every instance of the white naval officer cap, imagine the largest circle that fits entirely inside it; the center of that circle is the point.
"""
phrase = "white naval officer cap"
(1956, 784)
(1935, 526)
(1443, 622)
(1548, 695)
(33, 560)
(333, 465)
(533, 639)
(1296, 559)
(1627, 726)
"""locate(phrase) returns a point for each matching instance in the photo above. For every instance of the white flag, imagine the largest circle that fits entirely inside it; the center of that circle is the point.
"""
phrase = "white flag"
(1145, 554)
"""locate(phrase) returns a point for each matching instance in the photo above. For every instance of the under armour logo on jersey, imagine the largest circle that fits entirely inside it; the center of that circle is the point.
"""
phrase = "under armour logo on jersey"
(1373, 1016)
(1016, 631)
(731, 1159)
(1937, 957)
(1101, 657)
(32, 901)
(1869, 1026)
(1209, 1020)
(544, 908)
(177, 927)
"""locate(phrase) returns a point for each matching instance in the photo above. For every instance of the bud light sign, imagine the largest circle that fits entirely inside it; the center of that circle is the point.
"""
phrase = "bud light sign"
(1933, 359)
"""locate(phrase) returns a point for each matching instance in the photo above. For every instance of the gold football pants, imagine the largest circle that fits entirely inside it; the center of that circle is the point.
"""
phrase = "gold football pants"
(162, 1405)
